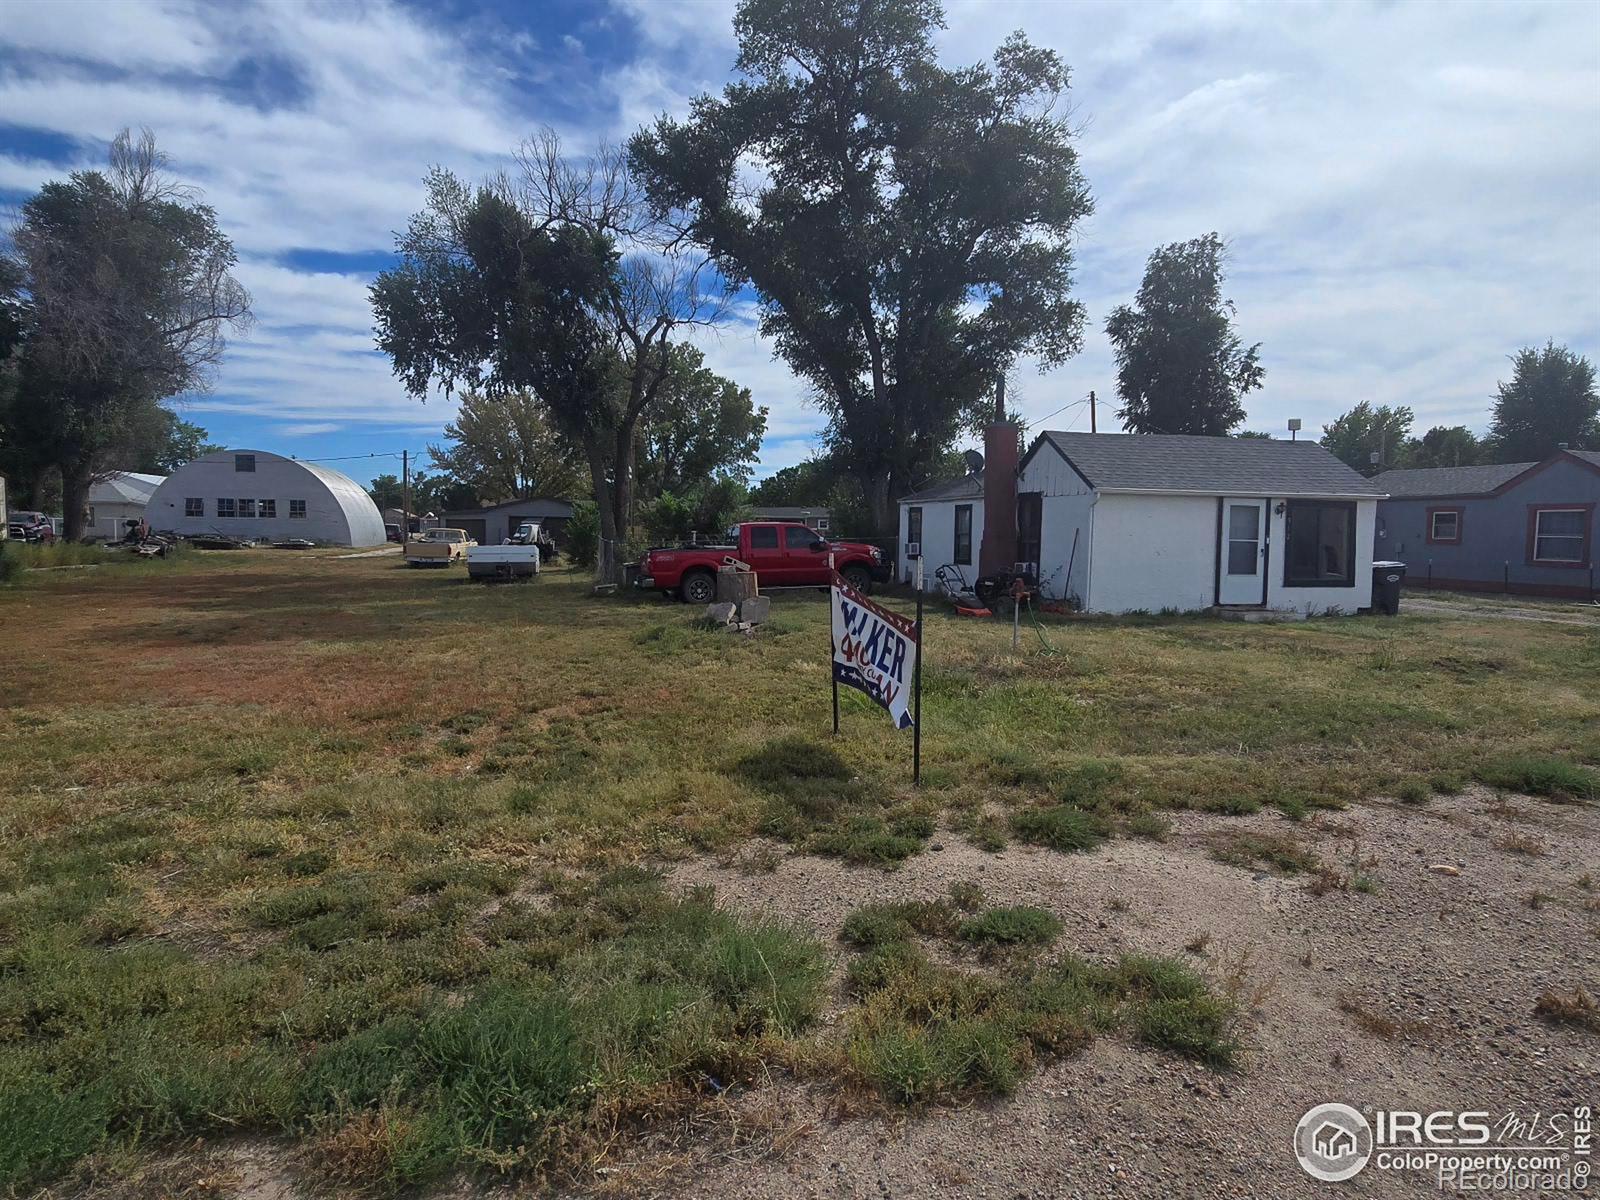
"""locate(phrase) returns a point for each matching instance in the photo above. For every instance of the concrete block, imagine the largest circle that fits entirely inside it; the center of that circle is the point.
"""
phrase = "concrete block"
(721, 614)
(755, 609)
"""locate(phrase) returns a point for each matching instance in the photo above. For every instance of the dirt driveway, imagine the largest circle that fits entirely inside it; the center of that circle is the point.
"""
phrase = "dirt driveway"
(1418, 994)
(1555, 614)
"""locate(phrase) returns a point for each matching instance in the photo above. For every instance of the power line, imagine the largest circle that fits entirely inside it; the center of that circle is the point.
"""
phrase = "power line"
(1062, 409)
(353, 457)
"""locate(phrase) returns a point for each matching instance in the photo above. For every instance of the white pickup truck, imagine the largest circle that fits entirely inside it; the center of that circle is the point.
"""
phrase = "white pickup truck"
(502, 562)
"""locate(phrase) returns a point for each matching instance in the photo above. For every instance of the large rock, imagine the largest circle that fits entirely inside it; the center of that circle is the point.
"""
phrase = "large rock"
(721, 614)
(755, 609)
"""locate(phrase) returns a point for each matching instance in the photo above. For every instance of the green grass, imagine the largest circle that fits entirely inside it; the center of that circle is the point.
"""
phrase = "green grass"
(1022, 926)
(925, 1032)
(1060, 827)
(328, 848)
(1538, 775)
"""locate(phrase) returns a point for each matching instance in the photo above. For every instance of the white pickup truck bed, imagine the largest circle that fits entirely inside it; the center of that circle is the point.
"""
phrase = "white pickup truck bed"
(502, 562)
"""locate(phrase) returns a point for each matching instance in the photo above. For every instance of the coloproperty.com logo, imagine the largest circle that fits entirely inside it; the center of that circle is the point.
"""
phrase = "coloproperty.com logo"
(1463, 1151)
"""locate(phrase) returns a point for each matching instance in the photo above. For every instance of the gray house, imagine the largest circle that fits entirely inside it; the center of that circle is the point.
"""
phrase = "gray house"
(1515, 527)
(815, 516)
(494, 523)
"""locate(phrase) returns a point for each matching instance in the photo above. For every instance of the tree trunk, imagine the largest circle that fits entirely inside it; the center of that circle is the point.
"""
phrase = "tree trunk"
(608, 566)
(885, 522)
(75, 478)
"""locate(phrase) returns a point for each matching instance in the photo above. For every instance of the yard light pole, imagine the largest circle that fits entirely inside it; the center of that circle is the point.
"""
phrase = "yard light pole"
(916, 689)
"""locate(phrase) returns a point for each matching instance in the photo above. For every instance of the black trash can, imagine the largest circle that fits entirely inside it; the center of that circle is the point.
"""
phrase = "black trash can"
(1386, 580)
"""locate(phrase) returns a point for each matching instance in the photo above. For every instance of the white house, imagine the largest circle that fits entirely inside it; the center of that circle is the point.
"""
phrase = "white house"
(253, 494)
(117, 499)
(1144, 522)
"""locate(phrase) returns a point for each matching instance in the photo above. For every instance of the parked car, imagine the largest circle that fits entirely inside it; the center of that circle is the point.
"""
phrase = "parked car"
(438, 548)
(31, 527)
(392, 532)
(782, 554)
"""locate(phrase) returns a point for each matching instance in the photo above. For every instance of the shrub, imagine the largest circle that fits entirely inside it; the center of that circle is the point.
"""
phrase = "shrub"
(1011, 927)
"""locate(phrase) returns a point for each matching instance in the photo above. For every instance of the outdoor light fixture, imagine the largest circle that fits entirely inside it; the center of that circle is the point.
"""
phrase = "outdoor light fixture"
(1281, 508)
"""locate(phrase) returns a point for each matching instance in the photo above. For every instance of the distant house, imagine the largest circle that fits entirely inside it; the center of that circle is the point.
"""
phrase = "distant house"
(815, 516)
(117, 499)
(257, 495)
(494, 523)
(1129, 522)
(1519, 527)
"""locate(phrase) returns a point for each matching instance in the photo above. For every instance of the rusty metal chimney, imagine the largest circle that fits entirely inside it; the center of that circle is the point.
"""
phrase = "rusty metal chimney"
(1002, 448)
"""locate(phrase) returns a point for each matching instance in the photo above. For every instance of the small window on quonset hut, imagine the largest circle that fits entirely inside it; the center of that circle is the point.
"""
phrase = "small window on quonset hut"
(194, 506)
(963, 554)
(244, 462)
(1321, 544)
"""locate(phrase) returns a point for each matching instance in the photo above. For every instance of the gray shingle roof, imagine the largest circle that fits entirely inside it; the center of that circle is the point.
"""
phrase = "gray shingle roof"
(969, 487)
(787, 512)
(1450, 481)
(1163, 462)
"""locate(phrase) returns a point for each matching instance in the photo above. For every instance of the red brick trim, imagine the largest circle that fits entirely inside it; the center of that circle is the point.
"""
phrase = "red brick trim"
(1533, 525)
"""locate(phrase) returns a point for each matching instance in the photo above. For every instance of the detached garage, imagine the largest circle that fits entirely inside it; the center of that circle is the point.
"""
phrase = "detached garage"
(1118, 523)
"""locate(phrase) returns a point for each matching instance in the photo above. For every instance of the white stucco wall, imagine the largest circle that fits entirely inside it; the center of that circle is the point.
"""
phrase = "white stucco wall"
(939, 539)
(1158, 552)
(1153, 552)
(338, 511)
(110, 519)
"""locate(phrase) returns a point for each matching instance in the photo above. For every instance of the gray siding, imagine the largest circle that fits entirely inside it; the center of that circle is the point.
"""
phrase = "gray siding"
(1495, 540)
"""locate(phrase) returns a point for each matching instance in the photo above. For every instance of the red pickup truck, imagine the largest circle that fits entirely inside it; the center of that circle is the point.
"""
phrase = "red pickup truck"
(781, 554)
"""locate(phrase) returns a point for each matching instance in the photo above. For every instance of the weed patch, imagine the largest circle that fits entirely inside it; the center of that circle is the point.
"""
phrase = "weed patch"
(1061, 827)
(1552, 778)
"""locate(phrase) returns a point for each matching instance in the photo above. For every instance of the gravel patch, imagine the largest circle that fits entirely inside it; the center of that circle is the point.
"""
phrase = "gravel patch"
(1448, 965)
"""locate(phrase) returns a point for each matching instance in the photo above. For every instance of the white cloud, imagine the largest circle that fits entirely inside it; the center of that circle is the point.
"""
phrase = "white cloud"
(1410, 191)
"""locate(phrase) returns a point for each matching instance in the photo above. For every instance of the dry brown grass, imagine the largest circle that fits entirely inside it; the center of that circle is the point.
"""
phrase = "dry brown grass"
(1575, 1007)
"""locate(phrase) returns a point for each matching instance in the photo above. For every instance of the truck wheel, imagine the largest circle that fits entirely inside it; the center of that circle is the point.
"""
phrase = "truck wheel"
(698, 587)
(859, 578)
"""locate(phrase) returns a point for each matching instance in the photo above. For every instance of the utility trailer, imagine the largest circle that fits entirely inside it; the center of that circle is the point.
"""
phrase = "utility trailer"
(502, 562)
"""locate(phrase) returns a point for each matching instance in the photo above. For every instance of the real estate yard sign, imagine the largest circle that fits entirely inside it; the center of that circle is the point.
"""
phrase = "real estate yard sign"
(879, 652)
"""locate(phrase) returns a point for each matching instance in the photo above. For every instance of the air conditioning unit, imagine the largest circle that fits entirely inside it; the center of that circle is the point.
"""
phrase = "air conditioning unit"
(913, 549)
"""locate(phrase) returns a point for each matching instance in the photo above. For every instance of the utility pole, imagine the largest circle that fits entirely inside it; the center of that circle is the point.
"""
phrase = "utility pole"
(405, 497)
(1092, 426)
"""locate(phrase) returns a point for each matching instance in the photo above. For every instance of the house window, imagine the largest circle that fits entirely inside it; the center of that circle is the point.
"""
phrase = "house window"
(963, 555)
(297, 510)
(914, 526)
(822, 524)
(91, 515)
(244, 462)
(1444, 526)
(224, 507)
(764, 537)
(1321, 544)
(247, 507)
(267, 508)
(194, 506)
(1560, 536)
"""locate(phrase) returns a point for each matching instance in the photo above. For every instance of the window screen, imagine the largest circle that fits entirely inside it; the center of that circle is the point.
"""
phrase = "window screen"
(1321, 544)
(914, 525)
(244, 462)
(1559, 535)
(963, 555)
(1445, 526)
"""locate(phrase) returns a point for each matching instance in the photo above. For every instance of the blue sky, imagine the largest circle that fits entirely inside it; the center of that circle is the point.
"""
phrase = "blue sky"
(1410, 191)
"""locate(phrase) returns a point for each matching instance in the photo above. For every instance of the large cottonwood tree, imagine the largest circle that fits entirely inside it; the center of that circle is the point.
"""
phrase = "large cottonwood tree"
(131, 294)
(906, 226)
